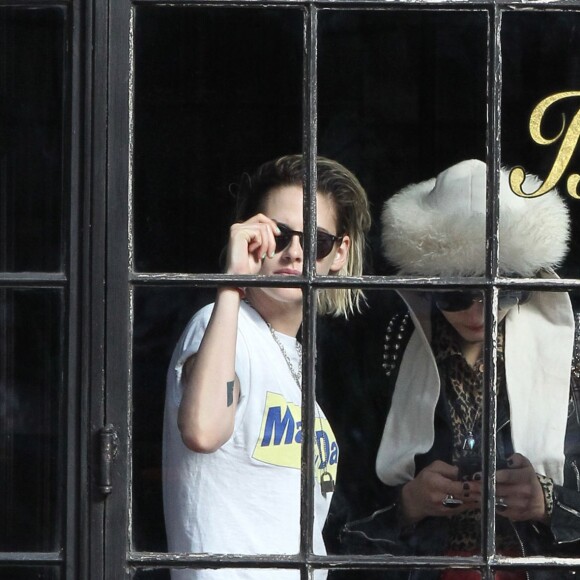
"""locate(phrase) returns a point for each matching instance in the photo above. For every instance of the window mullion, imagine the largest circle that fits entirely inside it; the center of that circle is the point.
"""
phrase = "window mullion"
(489, 419)
(309, 119)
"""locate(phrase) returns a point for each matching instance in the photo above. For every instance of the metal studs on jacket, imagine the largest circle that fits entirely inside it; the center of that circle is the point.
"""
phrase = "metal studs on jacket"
(394, 341)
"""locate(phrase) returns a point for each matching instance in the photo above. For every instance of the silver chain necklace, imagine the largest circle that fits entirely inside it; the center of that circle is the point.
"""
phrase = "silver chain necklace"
(296, 374)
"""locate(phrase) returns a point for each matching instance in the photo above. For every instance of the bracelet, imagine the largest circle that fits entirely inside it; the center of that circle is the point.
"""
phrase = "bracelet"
(548, 489)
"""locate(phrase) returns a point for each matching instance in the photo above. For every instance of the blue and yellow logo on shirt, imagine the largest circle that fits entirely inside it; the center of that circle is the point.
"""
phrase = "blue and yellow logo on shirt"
(281, 437)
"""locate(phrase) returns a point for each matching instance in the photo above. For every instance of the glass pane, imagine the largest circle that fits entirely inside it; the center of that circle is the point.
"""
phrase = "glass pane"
(404, 400)
(32, 573)
(539, 344)
(217, 91)
(390, 106)
(161, 314)
(537, 93)
(547, 321)
(32, 359)
(353, 391)
(257, 471)
(32, 124)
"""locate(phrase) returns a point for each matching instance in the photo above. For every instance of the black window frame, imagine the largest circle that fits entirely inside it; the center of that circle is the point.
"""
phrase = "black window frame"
(98, 283)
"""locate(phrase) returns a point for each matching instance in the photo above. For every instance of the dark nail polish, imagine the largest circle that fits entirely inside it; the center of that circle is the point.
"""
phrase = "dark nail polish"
(466, 486)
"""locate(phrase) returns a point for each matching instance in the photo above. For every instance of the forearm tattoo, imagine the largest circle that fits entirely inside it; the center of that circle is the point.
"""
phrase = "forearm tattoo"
(230, 388)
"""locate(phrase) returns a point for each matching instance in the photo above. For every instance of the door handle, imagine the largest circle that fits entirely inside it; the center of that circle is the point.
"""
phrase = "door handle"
(109, 443)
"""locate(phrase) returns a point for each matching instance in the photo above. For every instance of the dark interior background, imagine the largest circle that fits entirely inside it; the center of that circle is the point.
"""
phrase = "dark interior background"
(33, 104)
(401, 96)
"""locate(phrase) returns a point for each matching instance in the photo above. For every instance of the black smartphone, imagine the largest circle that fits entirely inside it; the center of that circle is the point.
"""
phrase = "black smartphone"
(470, 463)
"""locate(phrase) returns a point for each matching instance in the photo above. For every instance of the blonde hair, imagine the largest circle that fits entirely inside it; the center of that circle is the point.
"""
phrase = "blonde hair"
(351, 205)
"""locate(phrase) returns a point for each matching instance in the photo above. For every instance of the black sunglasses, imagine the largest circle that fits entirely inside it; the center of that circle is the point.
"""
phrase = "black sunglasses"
(456, 301)
(324, 240)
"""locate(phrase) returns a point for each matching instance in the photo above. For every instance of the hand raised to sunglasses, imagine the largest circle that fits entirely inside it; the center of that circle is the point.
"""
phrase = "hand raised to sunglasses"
(249, 243)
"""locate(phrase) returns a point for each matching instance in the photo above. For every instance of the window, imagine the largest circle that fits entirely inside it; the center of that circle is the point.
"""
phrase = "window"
(395, 93)
(125, 129)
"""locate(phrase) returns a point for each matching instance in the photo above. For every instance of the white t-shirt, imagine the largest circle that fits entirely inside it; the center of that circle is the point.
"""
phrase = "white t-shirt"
(245, 497)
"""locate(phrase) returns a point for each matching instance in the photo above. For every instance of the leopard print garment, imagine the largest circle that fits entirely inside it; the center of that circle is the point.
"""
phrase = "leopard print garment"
(463, 387)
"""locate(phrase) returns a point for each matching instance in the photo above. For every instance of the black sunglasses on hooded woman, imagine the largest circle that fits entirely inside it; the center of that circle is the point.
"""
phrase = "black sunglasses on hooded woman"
(430, 452)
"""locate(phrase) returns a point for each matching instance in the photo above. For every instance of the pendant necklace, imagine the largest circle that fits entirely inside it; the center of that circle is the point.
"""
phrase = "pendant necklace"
(326, 480)
(469, 440)
(468, 459)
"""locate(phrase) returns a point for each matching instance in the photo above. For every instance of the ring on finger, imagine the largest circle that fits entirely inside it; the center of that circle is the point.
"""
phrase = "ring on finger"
(449, 501)
(500, 504)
